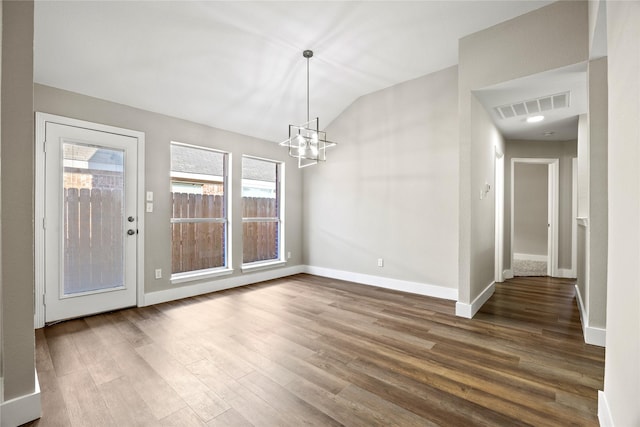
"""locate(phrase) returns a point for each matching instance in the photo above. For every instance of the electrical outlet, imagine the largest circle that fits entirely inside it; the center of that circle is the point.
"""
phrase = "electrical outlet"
(380, 262)
(149, 207)
(158, 273)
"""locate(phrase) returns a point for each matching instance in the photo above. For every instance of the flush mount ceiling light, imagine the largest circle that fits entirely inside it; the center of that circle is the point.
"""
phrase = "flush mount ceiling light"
(535, 119)
(307, 142)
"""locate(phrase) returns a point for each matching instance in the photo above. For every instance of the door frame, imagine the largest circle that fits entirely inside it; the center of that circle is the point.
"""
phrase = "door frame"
(39, 231)
(553, 204)
(499, 216)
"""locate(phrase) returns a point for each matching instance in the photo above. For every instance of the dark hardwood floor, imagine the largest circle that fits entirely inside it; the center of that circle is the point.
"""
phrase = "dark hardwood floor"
(306, 350)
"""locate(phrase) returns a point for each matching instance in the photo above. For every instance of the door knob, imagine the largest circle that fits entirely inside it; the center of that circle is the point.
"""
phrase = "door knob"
(131, 219)
(131, 232)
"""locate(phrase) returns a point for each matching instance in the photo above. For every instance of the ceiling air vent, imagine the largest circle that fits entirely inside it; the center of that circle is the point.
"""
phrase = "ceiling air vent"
(532, 106)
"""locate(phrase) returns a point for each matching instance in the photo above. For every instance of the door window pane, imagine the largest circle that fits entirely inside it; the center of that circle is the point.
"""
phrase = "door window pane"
(93, 218)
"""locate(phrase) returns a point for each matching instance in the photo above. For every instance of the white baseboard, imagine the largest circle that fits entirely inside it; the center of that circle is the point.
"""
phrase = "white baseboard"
(592, 335)
(507, 274)
(529, 257)
(566, 273)
(218, 285)
(23, 409)
(385, 282)
(470, 310)
(604, 413)
(595, 336)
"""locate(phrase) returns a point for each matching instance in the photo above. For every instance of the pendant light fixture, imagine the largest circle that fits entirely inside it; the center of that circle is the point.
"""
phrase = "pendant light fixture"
(307, 142)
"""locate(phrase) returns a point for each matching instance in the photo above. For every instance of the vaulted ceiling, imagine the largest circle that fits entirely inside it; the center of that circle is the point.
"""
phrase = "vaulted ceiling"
(238, 65)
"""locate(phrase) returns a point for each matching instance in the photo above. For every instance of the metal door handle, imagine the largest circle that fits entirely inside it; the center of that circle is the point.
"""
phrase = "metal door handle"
(131, 219)
(131, 232)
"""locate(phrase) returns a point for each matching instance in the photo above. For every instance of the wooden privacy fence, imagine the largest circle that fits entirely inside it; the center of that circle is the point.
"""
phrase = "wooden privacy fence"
(259, 238)
(197, 245)
(200, 245)
(93, 232)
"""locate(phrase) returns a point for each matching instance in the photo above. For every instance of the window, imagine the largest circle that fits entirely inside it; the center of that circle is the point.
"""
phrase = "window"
(199, 223)
(261, 211)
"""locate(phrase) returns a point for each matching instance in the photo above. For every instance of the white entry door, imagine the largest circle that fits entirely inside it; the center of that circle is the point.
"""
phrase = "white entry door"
(90, 221)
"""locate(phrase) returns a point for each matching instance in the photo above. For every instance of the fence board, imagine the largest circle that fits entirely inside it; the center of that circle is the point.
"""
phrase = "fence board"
(71, 276)
(117, 236)
(92, 239)
(84, 241)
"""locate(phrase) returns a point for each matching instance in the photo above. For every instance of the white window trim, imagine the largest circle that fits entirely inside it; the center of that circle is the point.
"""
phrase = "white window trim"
(190, 276)
(280, 191)
(193, 275)
(262, 265)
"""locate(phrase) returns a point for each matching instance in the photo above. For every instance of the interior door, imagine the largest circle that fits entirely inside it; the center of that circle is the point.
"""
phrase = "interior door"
(90, 221)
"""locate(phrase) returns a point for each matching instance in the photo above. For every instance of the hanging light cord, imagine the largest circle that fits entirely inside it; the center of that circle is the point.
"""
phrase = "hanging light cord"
(308, 89)
(308, 54)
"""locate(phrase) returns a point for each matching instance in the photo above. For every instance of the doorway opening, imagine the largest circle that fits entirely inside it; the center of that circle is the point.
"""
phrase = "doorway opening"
(534, 219)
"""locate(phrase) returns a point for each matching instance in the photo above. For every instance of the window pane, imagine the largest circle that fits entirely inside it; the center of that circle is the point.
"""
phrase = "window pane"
(198, 192)
(260, 210)
(197, 246)
(259, 189)
(259, 241)
(194, 160)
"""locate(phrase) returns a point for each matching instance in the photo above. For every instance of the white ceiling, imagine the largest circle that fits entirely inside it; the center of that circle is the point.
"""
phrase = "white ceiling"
(239, 65)
(562, 123)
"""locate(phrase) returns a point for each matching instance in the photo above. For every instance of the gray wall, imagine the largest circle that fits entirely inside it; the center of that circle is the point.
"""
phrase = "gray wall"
(565, 151)
(530, 208)
(558, 35)
(1, 334)
(389, 189)
(17, 198)
(622, 370)
(159, 132)
(583, 205)
(592, 196)
(598, 235)
(486, 139)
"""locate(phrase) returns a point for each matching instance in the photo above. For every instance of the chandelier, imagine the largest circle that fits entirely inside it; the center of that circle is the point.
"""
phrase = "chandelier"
(307, 142)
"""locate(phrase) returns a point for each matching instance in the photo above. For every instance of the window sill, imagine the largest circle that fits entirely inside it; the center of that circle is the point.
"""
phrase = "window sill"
(261, 265)
(205, 274)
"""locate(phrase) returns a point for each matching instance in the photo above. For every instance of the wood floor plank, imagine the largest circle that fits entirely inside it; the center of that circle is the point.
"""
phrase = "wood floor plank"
(52, 401)
(207, 405)
(161, 398)
(311, 350)
(125, 404)
(173, 372)
(229, 418)
(182, 417)
(83, 401)
(347, 412)
(282, 400)
(63, 352)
